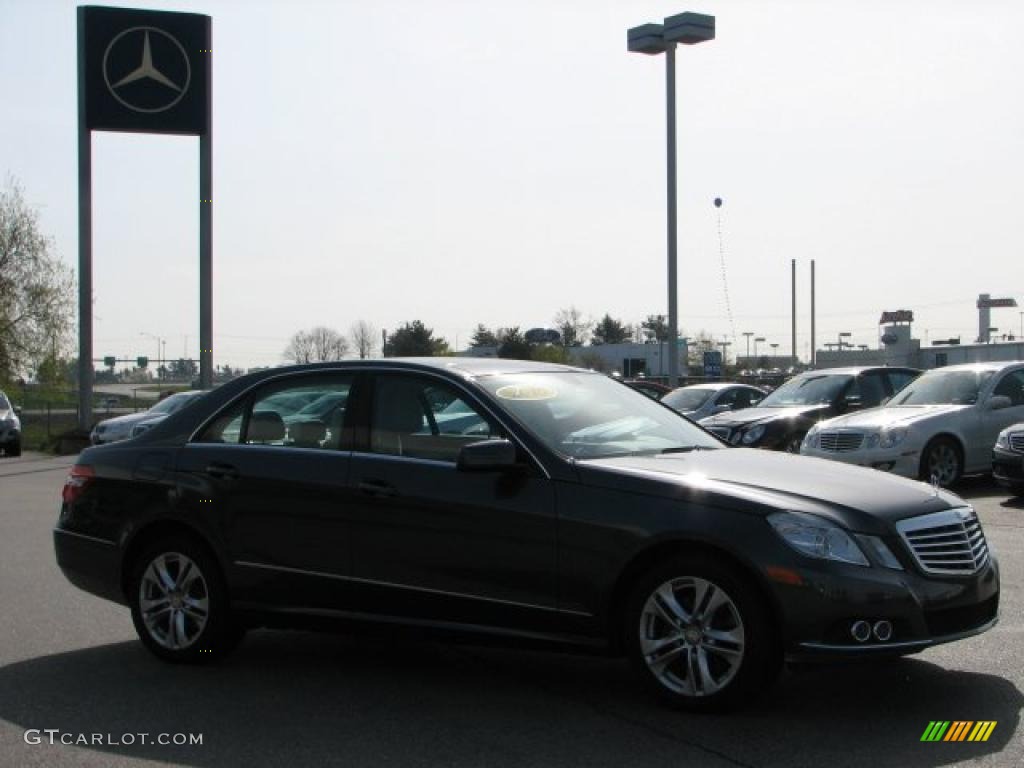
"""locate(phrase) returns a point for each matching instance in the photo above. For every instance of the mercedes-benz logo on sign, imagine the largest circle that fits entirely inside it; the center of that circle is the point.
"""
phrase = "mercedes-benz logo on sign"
(146, 69)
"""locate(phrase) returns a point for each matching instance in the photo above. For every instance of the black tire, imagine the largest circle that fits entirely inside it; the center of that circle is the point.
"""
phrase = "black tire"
(14, 449)
(743, 619)
(190, 585)
(792, 443)
(943, 458)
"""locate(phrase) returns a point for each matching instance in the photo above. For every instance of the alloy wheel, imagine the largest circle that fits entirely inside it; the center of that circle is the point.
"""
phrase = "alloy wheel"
(174, 600)
(943, 464)
(691, 636)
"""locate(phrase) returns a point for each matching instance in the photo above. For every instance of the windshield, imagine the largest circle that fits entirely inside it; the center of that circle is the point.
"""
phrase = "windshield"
(687, 398)
(589, 416)
(807, 389)
(172, 403)
(943, 388)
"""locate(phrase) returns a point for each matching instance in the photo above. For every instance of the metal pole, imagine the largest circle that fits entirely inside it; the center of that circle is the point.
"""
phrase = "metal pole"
(673, 316)
(793, 270)
(84, 242)
(206, 231)
(812, 315)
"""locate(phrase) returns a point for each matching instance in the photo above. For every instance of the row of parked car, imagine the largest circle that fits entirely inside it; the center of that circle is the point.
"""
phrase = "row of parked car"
(938, 425)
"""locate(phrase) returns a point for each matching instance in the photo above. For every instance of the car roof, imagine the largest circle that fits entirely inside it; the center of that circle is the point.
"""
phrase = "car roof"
(854, 370)
(992, 365)
(467, 367)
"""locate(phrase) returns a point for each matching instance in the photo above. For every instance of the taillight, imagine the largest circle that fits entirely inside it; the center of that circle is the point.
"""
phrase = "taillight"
(79, 478)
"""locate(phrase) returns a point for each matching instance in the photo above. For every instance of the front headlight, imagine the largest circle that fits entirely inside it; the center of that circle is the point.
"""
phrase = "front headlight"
(811, 438)
(815, 537)
(753, 434)
(1003, 441)
(892, 437)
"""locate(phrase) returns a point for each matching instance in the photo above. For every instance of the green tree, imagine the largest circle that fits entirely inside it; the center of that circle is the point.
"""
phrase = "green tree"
(416, 340)
(550, 353)
(655, 327)
(37, 290)
(484, 337)
(513, 345)
(610, 331)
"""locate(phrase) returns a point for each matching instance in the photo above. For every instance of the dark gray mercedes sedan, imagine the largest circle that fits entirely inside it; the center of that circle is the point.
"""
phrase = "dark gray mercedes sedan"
(519, 500)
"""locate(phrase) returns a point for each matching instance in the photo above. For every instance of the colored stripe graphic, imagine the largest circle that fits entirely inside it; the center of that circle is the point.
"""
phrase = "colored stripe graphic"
(959, 730)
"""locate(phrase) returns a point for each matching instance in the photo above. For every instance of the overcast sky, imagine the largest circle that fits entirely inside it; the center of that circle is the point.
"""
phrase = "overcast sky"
(482, 162)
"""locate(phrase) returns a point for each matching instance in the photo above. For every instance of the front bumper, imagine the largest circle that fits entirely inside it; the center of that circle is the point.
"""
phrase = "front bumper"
(10, 435)
(923, 612)
(1008, 467)
(902, 461)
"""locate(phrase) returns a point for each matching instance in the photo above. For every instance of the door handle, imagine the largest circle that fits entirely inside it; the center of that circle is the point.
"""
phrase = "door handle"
(376, 488)
(222, 471)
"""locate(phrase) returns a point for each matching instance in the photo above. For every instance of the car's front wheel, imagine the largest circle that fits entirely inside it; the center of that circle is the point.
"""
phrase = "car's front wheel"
(941, 461)
(700, 636)
(179, 602)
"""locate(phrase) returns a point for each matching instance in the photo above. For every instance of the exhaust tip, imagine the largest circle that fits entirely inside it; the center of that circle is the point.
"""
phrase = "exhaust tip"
(883, 630)
(861, 631)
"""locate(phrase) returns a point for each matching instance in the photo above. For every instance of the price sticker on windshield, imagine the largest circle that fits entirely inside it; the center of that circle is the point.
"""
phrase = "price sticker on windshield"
(526, 392)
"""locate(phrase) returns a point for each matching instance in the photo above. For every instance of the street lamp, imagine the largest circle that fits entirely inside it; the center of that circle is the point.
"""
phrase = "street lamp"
(990, 332)
(652, 39)
(844, 335)
(756, 340)
(774, 347)
(723, 345)
(748, 334)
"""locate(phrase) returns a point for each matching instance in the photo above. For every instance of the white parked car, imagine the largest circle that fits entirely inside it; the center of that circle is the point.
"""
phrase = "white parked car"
(698, 401)
(942, 425)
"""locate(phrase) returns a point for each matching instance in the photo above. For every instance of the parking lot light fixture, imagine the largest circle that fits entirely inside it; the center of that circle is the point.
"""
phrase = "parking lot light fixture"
(844, 335)
(653, 39)
(757, 340)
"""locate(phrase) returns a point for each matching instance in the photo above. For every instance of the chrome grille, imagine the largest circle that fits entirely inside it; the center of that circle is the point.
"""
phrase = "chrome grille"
(1017, 442)
(840, 441)
(946, 543)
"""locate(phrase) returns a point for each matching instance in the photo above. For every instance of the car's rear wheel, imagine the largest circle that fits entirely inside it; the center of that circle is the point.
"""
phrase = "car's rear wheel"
(700, 636)
(179, 602)
(14, 449)
(941, 460)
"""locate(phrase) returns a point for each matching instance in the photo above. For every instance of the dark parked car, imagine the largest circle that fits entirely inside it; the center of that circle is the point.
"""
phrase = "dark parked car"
(782, 419)
(516, 499)
(1008, 458)
(652, 389)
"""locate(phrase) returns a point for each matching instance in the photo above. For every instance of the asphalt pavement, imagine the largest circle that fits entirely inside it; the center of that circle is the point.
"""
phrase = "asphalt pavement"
(70, 664)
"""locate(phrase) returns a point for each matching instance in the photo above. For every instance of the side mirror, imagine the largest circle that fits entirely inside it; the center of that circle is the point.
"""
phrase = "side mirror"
(487, 454)
(998, 402)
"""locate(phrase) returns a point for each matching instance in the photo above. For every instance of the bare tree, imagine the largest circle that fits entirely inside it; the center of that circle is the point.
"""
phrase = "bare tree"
(573, 327)
(37, 296)
(316, 345)
(364, 337)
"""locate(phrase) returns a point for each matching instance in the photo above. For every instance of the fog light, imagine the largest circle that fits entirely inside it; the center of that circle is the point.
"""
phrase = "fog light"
(883, 631)
(861, 631)
(885, 466)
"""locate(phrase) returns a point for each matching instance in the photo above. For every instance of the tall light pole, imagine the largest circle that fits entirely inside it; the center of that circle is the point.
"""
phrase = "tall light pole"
(757, 340)
(652, 39)
(748, 334)
(844, 335)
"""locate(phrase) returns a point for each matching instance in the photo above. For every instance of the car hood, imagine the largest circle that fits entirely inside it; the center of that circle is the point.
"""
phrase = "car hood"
(751, 415)
(895, 415)
(126, 421)
(755, 480)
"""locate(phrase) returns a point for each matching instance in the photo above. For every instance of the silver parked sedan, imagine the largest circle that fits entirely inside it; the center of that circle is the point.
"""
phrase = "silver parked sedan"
(941, 426)
(698, 401)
